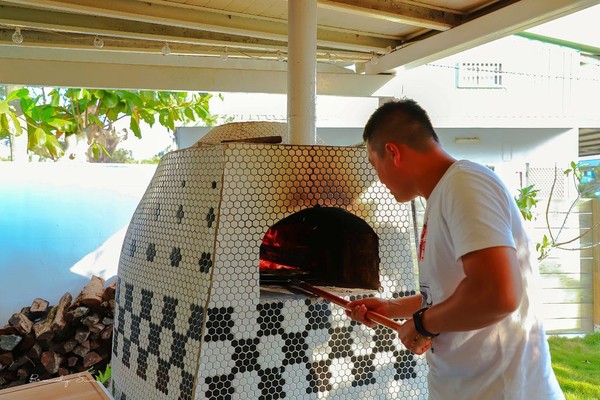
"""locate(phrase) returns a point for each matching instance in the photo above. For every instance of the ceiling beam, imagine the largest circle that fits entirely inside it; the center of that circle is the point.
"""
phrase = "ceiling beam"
(73, 41)
(63, 68)
(206, 20)
(399, 12)
(510, 19)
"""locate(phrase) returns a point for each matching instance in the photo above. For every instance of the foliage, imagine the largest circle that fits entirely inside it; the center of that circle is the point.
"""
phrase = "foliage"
(576, 363)
(104, 377)
(526, 201)
(51, 117)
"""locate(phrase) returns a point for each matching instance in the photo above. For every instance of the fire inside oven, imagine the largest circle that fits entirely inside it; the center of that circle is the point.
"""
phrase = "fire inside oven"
(325, 246)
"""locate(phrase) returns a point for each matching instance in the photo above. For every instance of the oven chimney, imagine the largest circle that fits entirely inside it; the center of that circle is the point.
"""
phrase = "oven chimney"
(302, 71)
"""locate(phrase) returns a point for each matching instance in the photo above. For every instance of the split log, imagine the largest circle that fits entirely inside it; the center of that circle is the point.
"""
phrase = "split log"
(97, 328)
(21, 323)
(25, 344)
(19, 362)
(82, 335)
(72, 361)
(23, 373)
(91, 295)
(82, 349)
(109, 292)
(6, 358)
(68, 346)
(35, 352)
(106, 334)
(60, 322)
(7, 330)
(77, 313)
(38, 308)
(95, 344)
(91, 358)
(9, 342)
(51, 361)
(91, 320)
(43, 328)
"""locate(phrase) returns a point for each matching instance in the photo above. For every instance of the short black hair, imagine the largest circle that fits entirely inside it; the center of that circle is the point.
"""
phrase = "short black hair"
(402, 121)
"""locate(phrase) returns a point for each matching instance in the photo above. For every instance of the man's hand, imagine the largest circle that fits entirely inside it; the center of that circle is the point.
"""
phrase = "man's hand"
(398, 308)
(357, 309)
(412, 340)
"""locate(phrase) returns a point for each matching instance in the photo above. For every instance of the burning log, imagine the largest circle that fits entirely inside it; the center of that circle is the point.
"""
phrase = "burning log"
(48, 341)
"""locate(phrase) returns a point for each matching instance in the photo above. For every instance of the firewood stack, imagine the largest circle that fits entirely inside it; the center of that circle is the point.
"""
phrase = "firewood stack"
(42, 341)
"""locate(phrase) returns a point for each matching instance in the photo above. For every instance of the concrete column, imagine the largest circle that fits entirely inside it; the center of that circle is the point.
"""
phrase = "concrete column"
(302, 71)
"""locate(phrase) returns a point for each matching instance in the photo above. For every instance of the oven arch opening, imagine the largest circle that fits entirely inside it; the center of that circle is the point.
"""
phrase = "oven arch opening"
(326, 246)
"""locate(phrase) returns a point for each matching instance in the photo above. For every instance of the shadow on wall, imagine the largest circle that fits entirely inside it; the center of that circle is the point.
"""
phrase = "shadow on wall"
(60, 224)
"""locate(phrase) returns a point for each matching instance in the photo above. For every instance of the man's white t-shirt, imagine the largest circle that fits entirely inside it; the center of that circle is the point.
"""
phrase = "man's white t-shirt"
(471, 209)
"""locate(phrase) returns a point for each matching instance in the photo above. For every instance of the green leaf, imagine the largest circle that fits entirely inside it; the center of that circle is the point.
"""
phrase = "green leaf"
(36, 114)
(16, 124)
(27, 104)
(189, 114)
(47, 113)
(93, 119)
(54, 148)
(201, 111)
(55, 98)
(112, 114)
(135, 127)
(38, 138)
(99, 93)
(95, 151)
(110, 100)
(4, 128)
(17, 94)
(60, 124)
(4, 107)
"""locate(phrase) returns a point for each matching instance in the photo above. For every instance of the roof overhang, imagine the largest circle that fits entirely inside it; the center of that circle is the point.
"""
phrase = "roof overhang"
(242, 46)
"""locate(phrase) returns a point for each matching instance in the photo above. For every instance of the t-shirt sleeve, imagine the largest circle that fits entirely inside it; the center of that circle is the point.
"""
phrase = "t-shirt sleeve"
(478, 212)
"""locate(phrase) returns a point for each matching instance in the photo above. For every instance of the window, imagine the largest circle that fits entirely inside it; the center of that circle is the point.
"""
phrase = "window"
(479, 75)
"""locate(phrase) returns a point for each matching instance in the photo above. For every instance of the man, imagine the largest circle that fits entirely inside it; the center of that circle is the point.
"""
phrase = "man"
(474, 312)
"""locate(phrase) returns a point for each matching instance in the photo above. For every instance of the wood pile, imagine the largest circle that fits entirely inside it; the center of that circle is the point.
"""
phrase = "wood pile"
(43, 341)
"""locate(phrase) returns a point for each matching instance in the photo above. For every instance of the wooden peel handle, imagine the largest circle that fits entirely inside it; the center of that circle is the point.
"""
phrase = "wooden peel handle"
(373, 316)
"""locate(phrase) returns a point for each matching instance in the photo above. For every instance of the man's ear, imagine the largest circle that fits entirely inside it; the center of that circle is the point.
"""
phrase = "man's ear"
(393, 150)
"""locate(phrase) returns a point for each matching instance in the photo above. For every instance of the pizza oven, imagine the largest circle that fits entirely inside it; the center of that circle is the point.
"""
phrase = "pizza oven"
(225, 224)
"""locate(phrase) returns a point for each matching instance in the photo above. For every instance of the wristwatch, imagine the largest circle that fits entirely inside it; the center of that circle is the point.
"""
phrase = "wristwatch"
(418, 320)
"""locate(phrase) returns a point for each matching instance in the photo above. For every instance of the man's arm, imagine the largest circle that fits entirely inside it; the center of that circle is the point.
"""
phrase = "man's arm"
(491, 290)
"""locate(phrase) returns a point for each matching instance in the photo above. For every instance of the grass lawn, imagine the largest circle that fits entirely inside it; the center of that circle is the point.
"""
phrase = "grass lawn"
(576, 363)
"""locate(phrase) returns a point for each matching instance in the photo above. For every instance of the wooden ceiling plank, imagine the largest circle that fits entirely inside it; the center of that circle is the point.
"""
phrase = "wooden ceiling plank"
(161, 14)
(107, 27)
(400, 12)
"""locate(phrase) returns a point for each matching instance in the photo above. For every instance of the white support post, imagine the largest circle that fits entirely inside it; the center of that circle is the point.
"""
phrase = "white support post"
(302, 71)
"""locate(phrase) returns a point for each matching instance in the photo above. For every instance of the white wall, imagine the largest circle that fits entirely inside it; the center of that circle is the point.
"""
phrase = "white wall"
(541, 87)
(60, 223)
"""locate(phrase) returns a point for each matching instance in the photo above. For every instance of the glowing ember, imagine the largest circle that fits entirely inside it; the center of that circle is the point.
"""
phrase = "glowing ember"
(266, 266)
